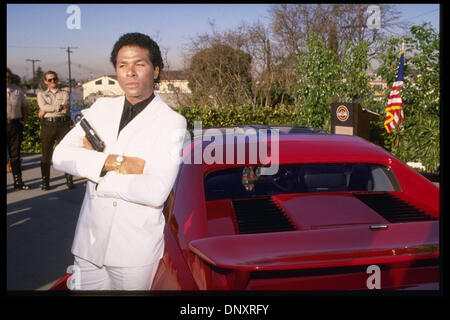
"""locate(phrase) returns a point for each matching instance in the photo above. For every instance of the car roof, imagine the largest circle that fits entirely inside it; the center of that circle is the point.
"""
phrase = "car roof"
(296, 145)
(238, 130)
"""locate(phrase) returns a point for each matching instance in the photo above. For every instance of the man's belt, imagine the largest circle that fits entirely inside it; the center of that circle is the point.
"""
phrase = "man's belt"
(56, 119)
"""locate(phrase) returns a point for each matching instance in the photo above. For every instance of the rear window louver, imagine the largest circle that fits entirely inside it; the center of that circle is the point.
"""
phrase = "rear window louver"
(392, 208)
(260, 216)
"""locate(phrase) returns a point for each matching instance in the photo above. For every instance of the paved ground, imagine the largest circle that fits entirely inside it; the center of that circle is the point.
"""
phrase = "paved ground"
(40, 227)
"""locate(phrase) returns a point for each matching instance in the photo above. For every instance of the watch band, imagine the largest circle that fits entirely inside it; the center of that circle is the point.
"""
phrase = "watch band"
(118, 163)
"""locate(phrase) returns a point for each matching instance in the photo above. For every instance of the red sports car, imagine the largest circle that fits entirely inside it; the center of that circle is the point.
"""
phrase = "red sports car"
(327, 212)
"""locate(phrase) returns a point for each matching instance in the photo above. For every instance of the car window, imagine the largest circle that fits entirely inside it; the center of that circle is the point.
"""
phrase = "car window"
(246, 182)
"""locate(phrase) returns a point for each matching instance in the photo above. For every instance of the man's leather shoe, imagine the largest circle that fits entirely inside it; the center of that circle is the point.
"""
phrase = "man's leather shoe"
(45, 185)
(18, 183)
(69, 181)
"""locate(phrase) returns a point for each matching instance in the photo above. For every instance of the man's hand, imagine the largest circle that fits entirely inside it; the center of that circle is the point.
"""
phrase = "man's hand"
(41, 114)
(66, 108)
(130, 165)
(87, 144)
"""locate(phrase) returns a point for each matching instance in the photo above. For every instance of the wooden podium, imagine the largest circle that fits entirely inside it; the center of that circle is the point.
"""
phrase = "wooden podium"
(351, 119)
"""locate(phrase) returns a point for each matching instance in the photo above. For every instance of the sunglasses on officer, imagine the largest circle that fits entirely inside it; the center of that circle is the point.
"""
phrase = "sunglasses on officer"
(52, 79)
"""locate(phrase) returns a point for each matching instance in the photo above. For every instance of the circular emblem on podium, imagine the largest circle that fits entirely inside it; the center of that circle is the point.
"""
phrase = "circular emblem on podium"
(342, 113)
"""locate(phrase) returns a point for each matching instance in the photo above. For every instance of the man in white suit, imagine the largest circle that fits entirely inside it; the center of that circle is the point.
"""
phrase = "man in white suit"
(119, 236)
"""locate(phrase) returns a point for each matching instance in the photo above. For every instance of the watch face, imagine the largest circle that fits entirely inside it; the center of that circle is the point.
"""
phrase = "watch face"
(119, 159)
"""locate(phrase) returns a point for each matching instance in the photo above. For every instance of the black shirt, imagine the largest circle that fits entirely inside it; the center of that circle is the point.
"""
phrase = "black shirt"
(131, 111)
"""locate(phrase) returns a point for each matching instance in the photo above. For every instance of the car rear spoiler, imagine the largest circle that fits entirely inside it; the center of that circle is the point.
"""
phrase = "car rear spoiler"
(346, 246)
(61, 284)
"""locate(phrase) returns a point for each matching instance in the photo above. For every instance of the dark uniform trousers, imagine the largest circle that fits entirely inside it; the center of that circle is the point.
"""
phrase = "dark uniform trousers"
(51, 132)
(14, 130)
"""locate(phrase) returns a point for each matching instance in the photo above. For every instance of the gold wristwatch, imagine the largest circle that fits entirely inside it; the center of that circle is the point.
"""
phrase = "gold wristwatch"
(118, 162)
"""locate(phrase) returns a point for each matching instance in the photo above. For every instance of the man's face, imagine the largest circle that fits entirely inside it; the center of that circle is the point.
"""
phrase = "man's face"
(8, 79)
(135, 73)
(51, 81)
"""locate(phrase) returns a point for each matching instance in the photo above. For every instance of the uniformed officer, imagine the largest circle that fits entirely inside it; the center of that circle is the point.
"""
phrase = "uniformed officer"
(16, 117)
(54, 112)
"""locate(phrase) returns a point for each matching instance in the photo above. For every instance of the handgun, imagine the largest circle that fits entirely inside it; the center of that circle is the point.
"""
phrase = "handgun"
(92, 136)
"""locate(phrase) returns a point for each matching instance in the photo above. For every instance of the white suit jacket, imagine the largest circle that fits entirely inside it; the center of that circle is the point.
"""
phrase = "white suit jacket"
(121, 221)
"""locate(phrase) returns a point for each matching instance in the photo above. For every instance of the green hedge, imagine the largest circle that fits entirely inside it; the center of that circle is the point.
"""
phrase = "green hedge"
(244, 115)
(31, 132)
(419, 141)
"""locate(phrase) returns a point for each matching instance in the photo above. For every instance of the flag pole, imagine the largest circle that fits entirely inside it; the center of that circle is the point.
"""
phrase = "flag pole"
(394, 112)
(403, 48)
(396, 138)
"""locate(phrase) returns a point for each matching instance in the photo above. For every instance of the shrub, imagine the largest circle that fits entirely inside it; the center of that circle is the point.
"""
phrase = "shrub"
(31, 132)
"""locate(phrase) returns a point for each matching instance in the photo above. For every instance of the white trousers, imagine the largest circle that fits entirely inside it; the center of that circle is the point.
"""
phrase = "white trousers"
(88, 276)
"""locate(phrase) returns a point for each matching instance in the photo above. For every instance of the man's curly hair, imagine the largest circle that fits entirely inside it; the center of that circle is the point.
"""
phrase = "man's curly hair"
(143, 41)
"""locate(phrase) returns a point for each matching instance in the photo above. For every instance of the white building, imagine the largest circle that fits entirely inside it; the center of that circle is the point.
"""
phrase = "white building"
(173, 82)
(102, 86)
(172, 87)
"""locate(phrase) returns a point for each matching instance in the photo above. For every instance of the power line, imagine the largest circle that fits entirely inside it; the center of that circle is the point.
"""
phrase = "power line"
(32, 47)
(56, 64)
(423, 14)
(32, 62)
(86, 67)
(68, 57)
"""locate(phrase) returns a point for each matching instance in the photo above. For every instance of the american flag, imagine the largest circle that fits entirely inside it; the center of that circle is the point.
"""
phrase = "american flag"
(394, 108)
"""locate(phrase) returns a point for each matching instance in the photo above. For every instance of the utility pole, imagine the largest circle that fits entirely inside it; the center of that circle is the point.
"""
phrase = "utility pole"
(70, 75)
(34, 74)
